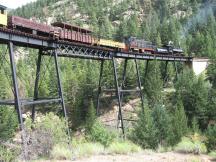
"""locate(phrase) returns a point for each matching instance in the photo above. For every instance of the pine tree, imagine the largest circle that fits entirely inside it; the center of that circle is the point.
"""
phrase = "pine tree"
(153, 84)
(162, 123)
(179, 126)
(91, 116)
(145, 131)
(8, 116)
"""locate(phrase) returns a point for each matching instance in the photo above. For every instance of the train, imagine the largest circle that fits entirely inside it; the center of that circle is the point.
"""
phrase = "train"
(67, 32)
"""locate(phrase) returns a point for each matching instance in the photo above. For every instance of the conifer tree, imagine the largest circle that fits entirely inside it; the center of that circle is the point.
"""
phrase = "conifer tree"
(153, 84)
(90, 116)
(179, 126)
(162, 123)
(145, 131)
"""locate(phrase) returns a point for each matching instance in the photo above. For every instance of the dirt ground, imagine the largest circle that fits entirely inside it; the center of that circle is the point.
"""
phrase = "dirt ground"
(147, 157)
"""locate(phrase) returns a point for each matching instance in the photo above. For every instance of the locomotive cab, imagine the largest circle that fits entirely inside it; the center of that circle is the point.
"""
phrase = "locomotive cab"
(3, 15)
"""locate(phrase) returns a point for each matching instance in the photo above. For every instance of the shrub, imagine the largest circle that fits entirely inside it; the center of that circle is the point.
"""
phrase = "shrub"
(48, 130)
(99, 133)
(55, 125)
(189, 145)
(40, 143)
(124, 147)
(211, 137)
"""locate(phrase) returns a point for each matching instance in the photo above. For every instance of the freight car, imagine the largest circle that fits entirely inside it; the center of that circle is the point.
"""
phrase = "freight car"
(32, 27)
(74, 33)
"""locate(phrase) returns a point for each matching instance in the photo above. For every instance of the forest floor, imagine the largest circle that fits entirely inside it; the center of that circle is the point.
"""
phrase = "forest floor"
(145, 157)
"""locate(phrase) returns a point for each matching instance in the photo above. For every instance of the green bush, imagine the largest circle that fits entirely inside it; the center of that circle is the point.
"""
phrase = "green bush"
(99, 133)
(47, 132)
(211, 137)
(124, 147)
(189, 145)
(56, 126)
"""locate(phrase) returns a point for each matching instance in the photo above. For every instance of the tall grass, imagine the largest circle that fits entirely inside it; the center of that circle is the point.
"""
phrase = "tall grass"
(82, 148)
(124, 147)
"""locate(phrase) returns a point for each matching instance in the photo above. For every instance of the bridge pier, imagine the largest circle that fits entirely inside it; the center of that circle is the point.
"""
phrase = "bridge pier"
(120, 88)
(17, 102)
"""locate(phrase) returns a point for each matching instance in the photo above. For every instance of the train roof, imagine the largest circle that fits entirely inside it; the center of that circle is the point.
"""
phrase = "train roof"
(69, 26)
(3, 7)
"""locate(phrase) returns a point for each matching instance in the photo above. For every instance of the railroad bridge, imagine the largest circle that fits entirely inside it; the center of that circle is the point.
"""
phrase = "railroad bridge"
(56, 49)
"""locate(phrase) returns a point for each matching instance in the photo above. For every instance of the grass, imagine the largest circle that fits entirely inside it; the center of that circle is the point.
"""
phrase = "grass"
(212, 154)
(84, 148)
(88, 149)
(61, 152)
(187, 145)
(124, 147)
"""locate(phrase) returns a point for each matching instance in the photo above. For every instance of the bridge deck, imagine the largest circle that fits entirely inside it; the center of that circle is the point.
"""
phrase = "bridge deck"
(68, 49)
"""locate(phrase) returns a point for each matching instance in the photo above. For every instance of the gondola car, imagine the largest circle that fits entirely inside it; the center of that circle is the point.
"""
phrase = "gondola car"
(3, 16)
(32, 27)
(74, 33)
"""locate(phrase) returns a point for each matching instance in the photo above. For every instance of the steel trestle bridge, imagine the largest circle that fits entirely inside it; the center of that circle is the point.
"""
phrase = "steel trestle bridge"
(60, 48)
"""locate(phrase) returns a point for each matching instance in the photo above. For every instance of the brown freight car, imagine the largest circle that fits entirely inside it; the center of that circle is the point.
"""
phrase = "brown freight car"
(74, 33)
(32, 27)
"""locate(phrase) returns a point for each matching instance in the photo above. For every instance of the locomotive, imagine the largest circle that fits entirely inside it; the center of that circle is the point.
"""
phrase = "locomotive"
(67, 32)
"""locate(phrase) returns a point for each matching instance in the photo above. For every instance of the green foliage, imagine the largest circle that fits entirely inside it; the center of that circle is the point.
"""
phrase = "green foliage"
(145, 132)
(99, 133)
(211, 137)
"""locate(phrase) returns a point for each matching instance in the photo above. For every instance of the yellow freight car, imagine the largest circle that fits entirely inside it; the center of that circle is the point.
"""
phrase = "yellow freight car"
(3, 15)
(110, 43)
